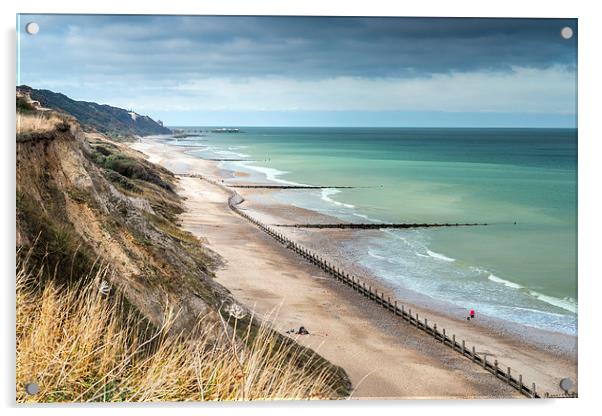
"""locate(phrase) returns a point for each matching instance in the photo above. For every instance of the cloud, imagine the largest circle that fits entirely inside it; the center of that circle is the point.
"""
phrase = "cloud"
(298, 47)
(213, 63)
(520, 90)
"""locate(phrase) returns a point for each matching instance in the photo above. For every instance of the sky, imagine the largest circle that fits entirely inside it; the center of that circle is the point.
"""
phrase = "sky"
(310, 71)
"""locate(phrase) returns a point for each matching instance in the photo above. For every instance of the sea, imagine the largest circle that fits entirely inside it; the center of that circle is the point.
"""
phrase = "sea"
(521, 267)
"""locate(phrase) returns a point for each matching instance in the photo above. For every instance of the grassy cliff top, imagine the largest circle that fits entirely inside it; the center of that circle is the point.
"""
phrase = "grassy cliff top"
(113, 121)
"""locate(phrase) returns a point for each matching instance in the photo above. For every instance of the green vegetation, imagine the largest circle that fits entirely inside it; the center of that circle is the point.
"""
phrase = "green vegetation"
(127, 167)
(113, 121)
(24, 106)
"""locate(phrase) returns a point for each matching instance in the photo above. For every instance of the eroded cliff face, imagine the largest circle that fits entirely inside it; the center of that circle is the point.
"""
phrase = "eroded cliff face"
(113, 121)
(86, 203)
(79, 212)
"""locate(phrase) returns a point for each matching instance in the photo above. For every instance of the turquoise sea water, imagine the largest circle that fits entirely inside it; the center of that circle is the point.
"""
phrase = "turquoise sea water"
(524, 272)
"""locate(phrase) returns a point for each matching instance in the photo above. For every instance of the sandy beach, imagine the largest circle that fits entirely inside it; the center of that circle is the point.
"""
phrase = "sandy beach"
(383, 355)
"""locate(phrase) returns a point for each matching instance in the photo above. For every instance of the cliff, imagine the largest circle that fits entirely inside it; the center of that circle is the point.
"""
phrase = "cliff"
(112, 121)
(86, 202)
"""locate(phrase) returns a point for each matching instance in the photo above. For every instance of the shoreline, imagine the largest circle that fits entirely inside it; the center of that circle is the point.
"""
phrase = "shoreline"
(264, 205)
(542, 365)
(328, 241)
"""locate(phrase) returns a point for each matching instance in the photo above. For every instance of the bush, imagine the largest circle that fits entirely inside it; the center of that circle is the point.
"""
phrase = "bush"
(128, 167)
(24, 106)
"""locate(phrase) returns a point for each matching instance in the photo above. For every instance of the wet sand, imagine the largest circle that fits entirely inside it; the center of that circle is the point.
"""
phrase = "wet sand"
(384, 356)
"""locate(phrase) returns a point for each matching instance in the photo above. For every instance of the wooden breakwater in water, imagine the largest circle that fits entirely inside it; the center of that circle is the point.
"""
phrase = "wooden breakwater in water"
(231, 160)
(289, 187)
(376, 226)
(446, 338)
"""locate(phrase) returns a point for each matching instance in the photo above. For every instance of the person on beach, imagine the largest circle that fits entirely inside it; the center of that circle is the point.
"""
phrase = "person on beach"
(472, 314)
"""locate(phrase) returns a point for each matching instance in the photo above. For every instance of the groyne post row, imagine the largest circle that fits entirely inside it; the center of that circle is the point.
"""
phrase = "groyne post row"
(289, 187)
(503, 373)
(376, 226)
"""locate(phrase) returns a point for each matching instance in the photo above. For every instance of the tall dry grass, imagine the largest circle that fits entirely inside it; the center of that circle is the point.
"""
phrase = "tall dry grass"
(80, 345)
(36, 122)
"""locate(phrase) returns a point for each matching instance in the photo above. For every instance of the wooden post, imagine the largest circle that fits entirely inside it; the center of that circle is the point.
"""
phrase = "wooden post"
(485, 361)
(474, 354)
(495, 367)
(426, 326)
(533, 394)
(443, 338)
(520, 383)
(508, 376)
(463, 347)
(454, 342)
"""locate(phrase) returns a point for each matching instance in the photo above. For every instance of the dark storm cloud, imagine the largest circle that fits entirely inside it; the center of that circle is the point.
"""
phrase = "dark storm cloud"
(174, 48)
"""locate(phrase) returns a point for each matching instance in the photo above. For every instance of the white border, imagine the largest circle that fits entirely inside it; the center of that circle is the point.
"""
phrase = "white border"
(590, 24)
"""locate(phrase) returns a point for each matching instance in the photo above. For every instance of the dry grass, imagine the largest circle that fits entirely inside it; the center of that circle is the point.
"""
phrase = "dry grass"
(79, 345)
(36, 122)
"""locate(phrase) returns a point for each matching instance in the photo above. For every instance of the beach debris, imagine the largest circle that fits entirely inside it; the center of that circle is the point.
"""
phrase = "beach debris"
(301, 331)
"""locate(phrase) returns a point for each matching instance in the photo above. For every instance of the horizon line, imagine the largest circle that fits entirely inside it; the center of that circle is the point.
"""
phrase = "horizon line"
(370, 127)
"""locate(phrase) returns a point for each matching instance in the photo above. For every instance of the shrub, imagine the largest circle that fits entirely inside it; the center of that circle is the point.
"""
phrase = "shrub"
(130, 168)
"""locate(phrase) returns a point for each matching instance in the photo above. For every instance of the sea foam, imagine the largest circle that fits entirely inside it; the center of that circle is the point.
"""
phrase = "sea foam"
(439, 256)
(271, 174)
(504, 282)
(568, 304)
(326, 197)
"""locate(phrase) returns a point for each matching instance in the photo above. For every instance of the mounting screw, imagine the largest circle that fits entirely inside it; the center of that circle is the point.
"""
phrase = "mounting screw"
(32, 28)
(32, 388)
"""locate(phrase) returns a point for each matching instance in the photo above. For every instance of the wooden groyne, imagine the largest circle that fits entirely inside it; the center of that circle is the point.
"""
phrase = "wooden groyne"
(376, 226)
(231, 160)
(446, 338)
(289, 187)
(258, 186)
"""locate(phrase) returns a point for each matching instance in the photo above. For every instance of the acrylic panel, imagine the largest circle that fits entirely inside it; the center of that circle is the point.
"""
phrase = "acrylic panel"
(286, 207)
